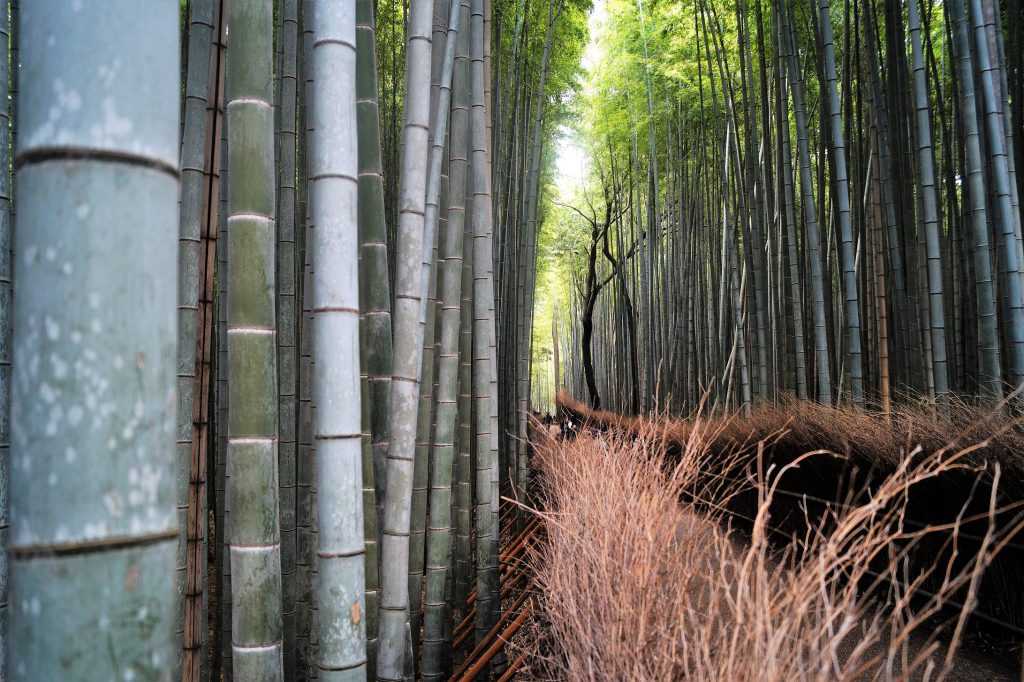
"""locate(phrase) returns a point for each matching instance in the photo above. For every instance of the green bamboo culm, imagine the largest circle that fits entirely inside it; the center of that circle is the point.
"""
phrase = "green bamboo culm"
(287, 320)
(336, 389)
(450, 281)
(796, 83)
(193, 148)
(256, 620)
(93, 354)
(929, 206)
(443, 54)
(989, 365)
(483, 339)
(373, 269)
(375, 307)
(408, 341)
(1005, 217)
(5, 323)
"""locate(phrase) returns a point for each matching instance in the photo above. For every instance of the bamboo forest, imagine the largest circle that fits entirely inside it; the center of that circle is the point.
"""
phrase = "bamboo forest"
(511, 340)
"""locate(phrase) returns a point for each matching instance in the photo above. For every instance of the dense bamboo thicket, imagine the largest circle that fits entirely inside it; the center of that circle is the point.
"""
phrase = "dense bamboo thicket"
(359, 187)
(817, 199)
(281, 280)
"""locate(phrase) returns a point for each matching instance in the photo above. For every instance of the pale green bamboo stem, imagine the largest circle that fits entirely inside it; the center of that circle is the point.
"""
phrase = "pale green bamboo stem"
(408, 342)
(287, 319)
(929, 202)
(483, 338)
(95, 329)
(842, 199)
(7, 59)
(333, 187)
(193, 147)
(375, 296)
(439, 532)
(257, 627)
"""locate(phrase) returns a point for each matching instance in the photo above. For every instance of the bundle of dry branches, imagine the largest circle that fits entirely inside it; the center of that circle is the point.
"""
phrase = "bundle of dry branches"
(658, 566)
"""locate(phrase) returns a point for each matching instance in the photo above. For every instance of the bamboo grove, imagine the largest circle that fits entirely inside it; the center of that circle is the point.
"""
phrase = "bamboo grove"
(266, 273)
(808, 198)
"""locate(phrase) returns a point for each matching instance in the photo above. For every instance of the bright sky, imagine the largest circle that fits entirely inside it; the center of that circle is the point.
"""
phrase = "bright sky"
(572, 162)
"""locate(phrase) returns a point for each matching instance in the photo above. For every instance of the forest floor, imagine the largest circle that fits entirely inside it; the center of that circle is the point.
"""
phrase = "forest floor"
(658, 565)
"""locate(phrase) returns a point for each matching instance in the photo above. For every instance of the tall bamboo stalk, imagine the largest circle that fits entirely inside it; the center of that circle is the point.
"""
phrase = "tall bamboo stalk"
(408, 340)
(375, 305)
(93, 347)
(287, 320)
(988, 335)
(252, 348)
(824, 381)
(193, 151)
(333, 187)
(6, 133)
(485, 432)
(1008, 225)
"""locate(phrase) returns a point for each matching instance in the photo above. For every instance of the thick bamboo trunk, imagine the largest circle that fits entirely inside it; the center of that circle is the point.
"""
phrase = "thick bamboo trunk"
(337, 427)
(484, 377)
(93, 347)
(287, 319)
(821, 348)
(252, 353)
(988, 333)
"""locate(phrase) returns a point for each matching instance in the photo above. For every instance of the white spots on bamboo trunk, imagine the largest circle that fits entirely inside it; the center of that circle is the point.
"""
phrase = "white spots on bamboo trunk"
(95, 530)
(52, 328)
(145, 482)
(32, 607)
(107, 74)
(67, 99)
(113, 503)
(54, 419)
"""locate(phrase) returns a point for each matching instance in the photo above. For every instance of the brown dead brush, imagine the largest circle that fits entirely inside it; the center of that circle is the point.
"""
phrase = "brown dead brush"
(866, 449)
(665, 557)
